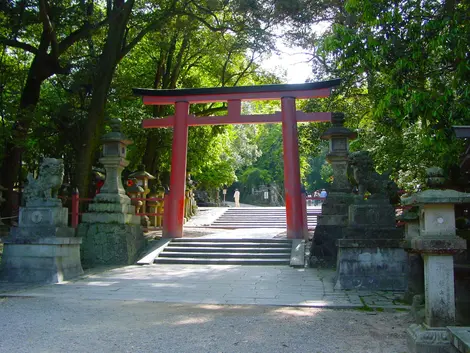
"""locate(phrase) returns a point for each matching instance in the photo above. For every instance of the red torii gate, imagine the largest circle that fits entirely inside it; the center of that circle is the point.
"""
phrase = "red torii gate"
(288, 116)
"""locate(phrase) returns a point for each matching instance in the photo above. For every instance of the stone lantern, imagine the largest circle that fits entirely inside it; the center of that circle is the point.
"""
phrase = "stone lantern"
(142, 178)
(135, 191)
(437, 242)
(334, 217)
(111, 231)
(338, 137)
(114, 153)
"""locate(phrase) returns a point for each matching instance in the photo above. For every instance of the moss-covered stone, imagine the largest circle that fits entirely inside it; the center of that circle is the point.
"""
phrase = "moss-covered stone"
(110, 244)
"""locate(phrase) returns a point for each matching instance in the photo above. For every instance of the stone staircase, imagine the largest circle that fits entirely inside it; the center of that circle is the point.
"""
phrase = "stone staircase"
(260, 217)
(226, 252)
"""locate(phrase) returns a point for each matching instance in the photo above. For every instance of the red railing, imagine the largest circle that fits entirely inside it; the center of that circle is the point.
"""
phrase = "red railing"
(75, 208)
(75, 213)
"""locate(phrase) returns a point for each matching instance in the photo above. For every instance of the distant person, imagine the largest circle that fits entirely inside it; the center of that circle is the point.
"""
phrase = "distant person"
(236, 196)
(316, 195)
(323, 193)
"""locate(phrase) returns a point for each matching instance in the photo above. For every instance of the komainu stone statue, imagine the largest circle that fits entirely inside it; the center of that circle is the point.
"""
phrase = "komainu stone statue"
(361, 170)
(46, 187)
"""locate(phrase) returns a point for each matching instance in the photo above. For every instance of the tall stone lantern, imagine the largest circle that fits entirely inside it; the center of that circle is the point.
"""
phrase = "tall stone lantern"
(334, 217)
(111, 231)
(338, 137)
(437, 242)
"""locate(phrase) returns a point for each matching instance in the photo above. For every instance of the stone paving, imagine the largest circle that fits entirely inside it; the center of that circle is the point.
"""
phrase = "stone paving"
(213, 284)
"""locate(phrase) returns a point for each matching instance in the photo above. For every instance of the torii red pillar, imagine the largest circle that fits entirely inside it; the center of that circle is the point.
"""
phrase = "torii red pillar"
(174, 227)
(294, 214)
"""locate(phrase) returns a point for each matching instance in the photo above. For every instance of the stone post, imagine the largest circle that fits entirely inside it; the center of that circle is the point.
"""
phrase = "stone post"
(437, 243)
(42, 248)
(415, 262)
(111, 231)
(334, 217)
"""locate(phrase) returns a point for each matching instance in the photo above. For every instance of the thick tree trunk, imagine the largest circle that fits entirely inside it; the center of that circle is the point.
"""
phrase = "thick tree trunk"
(40, 70)
(108, 62)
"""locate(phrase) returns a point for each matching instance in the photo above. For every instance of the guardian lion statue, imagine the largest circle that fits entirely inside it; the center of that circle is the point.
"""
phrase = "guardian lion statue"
(361, 171)
(48, 182)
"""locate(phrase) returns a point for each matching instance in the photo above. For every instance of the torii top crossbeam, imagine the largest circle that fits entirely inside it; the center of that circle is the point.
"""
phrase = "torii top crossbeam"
(182, 98)
(225, 94)
(234, 96)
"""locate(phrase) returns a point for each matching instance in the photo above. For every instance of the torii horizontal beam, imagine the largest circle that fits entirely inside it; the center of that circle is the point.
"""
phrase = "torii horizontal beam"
(240, 119)
(246, 93)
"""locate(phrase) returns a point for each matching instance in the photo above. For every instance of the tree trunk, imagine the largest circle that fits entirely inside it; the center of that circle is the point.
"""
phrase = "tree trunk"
(103, 76)
(40, 70)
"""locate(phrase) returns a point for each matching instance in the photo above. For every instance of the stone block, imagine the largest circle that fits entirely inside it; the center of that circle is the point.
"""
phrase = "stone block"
(43, 216)
(460, 338)
(371, 267)
(443, 245)
(323, 250)
(110, 244)
(358, 232)
(48, 260)
(372, 215)
(415, 277)
(30, 234)
(111, 208)
(423, 339)
(111, 218)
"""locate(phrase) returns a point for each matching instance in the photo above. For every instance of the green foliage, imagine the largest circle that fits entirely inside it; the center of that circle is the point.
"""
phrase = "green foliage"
(405, 70)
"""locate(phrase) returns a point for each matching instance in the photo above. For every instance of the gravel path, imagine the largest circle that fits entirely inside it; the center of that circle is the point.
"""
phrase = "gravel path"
(61, 325)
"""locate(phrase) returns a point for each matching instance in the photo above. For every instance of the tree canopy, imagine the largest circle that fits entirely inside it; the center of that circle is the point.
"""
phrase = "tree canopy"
(66, 67)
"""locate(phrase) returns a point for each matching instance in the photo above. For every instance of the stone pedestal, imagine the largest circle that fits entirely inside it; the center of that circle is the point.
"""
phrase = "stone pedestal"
(44, 260)
(330, 226)
(42, 249)
(371, 264)
(111, 232)
(370, 255)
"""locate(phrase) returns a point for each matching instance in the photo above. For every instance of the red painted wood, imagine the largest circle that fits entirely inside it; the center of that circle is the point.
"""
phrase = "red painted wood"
(234, 108)
(155, 123)
(246, 96)
(166, 203)
(291, 169)
(236, 119)
(304, 215)
(178, 172)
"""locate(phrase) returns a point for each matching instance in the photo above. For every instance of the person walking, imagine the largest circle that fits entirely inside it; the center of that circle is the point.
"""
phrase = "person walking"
(236, 196)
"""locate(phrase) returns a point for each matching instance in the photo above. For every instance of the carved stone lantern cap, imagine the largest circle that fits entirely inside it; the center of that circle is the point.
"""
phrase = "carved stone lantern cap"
(433, 196)
(116, 134)
(435, 178)
(338, 130)
(141, 173)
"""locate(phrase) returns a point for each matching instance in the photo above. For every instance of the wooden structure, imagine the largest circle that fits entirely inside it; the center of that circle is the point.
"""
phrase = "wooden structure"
(289, 117)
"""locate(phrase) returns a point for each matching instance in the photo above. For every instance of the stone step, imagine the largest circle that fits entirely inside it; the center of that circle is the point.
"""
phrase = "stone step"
(234, 261)
(235, 240)
(286, 250)
(228, 244)
(224, 255)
